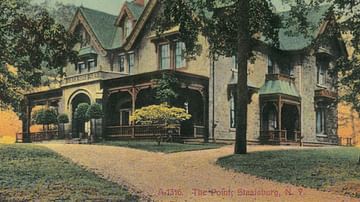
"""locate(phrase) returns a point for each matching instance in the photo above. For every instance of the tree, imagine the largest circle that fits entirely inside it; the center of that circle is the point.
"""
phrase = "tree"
(80, 116)
(45, 117)
(62, 120)
(231, 28)
(166, 88)
(30, 41)
(161, 114)
(94, 112)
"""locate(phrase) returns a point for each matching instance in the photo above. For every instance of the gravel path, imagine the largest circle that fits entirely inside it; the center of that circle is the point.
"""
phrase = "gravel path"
(186, 176)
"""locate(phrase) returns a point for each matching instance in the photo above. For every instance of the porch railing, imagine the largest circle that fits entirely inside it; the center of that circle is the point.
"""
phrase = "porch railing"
(199, 131)
(277, 136)
(37, 136)
(140, 131)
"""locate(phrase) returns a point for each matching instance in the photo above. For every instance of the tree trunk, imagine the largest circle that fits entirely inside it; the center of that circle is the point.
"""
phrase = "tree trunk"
(241, 102)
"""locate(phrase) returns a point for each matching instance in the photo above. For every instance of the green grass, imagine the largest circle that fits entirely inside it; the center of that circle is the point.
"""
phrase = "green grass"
(35, 173)
(164, 147)
(333, 169)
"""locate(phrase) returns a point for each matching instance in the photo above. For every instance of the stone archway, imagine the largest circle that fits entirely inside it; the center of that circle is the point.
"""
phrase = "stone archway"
(74, 103)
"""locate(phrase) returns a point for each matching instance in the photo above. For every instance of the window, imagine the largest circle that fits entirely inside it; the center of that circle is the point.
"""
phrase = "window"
(165, 56)
(92, 65)
(235, 62)
(271, 68)
(179, 55)
(320, 120)
(131, 62)
(128, 28)
(321, 72)
(81, 67)
(232, 110)
(122, 63)
(272, 118)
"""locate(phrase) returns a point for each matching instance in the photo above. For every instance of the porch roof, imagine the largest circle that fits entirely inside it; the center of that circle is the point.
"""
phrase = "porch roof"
(279, 87)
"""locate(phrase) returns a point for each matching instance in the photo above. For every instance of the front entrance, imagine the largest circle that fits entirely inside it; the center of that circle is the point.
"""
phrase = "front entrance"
(78, 127)
(290, 121)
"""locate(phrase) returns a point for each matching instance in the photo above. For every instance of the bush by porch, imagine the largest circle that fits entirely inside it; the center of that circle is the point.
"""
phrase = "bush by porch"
(331, 169)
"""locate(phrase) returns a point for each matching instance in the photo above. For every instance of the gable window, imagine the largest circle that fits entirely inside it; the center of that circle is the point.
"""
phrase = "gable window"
(320, 120)
(127, 28)
(271, 67)
(131, 62)
(122, 63)
(179, 55)
(165, 56)
(92, 65)
(232, 110)
(321, 72)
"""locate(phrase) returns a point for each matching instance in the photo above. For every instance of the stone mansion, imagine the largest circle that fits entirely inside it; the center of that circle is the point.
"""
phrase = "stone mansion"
(292, 96)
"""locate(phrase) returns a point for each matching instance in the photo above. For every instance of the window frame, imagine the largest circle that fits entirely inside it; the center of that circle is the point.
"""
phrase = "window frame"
(181, 55)
(90, 69)
(79, 68)
(161, 45)
(320, 123)
(121, 64)
(130, 63)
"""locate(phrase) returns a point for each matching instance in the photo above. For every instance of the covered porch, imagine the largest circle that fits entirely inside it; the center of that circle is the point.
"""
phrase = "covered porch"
(124, 95)
(280, 111)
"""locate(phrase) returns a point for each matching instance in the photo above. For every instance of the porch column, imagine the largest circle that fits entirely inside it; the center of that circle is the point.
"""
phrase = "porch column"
(133, 92)
(205, 99)
(279, 117)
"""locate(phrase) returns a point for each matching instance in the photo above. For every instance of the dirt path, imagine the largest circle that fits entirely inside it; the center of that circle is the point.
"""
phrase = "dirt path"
(186, 176)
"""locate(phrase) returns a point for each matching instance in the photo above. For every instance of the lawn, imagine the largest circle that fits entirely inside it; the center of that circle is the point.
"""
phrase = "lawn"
(332, 169)
(35, 173)
(164, 147)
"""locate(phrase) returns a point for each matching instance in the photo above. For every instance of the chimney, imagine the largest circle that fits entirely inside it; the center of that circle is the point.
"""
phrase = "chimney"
(140, 2)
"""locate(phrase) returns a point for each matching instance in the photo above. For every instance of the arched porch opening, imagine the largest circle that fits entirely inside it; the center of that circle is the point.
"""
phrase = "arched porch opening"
(78, 127)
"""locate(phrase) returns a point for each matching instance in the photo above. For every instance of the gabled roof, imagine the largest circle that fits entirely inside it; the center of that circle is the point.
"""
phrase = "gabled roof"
(135, 9)
(299, 41)
(102, 24)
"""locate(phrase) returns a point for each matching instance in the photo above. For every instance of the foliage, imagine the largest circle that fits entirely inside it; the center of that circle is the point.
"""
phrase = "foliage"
(81, 112)
(233, 28)
(323, 169)
(45, 117)
(95, 111)
(63, 118)
(34, 173)
(165, 147)
(159, 114)
(166, 88)
(30, 41)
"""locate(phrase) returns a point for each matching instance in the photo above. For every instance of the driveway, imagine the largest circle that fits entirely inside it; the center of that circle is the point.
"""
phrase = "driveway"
(185, 176)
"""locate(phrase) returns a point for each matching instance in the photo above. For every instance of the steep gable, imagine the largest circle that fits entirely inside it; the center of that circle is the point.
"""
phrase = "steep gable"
(100, 26)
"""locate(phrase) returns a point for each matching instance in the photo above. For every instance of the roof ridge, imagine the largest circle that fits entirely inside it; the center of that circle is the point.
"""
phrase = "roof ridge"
(98, 11)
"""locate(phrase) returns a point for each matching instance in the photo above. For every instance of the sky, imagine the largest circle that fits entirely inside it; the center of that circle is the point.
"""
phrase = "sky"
(113, 6)
(108, 6)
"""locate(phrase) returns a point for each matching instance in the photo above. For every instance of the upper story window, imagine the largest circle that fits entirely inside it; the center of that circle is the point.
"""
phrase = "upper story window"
(122, 63)
(165, 56)
(321, 72)
(86, 65)
(235, 62)
(127, 28)
(126, 63)
(131, 62)
(180, 55)
(271, 66)
(81, 67)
